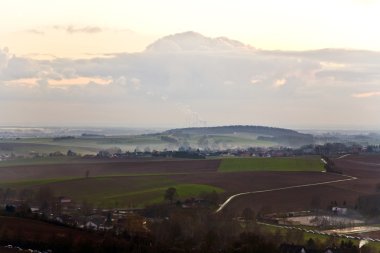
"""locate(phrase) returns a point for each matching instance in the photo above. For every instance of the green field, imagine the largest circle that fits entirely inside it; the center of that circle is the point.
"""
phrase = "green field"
(40, 161)
(92, 144)
(307, 163)
(155, 195)
(115, 191)
(116, 188)
(81, 145)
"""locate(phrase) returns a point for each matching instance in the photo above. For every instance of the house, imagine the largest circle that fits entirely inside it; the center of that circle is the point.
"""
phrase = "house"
(91, 225)
(35, 210)
(64, 200)
(291, 248)
(339, 210)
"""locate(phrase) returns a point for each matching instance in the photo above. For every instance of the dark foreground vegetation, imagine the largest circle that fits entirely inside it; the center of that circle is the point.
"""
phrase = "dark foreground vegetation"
(183, 230)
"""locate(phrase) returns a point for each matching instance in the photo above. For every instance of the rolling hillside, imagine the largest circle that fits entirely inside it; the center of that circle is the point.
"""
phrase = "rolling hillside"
(260, 133)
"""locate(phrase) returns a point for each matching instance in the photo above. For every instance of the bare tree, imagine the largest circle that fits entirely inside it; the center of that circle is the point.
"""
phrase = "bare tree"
(45, 197)
(170, 194)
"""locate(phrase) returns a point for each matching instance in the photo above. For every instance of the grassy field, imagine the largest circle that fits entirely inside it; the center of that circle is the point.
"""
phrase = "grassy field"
(81, 145)
(92, 144)
(115, 191)
(309, 163)
(155, 195)
(40, 161)
(43, 146)
(230, 140)
(137, 183)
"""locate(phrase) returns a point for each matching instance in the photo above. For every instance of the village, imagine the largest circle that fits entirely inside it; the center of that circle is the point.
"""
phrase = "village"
(191, 153)
(65, 211)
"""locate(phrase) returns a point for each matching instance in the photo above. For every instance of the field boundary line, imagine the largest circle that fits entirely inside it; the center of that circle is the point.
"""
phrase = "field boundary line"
(364, 163)
(342, 156)
(222, 206)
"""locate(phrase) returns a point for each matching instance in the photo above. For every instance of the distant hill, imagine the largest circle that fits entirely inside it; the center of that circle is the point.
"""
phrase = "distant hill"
(279, 135)
(273, 131)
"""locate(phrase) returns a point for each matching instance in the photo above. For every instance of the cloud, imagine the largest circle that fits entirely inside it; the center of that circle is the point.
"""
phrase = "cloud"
(366, 94)
(255, 81)
(79, 29)
(280, 82)
(238, 82)
(4, 58)
(365, 2)
(136, 83)
(35, 31)
(26, 82)
(195, 42)
(79, 81)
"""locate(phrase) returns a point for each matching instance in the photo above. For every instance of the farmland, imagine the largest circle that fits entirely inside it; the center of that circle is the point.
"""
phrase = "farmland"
(110, 184)
(82, 145)
(62, 140)
(119, 191)
(140, 182)
(136, 183)
(347, 192)
(272, 164)
(118, 184)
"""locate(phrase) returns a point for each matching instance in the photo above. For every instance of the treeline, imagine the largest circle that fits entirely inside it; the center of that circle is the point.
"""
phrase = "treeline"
(62, 138)
(176, 230)
(289, 140)
(262, 130)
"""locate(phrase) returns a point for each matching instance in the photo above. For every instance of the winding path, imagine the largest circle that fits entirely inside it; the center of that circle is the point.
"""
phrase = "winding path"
(222, 206)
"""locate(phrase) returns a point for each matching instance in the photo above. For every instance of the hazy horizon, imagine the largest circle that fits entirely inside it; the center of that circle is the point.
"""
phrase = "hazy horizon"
(333, 129)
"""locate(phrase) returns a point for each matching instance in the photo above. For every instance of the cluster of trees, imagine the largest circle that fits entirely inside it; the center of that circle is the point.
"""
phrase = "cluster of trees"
(373, 148)
(171, 195)
(175, 229)
(312, 246)
(43, 197)
(369, 205)
(42, 194)
(62, 138)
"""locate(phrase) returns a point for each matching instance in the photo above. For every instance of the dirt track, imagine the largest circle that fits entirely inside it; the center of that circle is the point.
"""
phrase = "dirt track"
(344, 179)
(238, 182)
(205, 172)
(301, 198)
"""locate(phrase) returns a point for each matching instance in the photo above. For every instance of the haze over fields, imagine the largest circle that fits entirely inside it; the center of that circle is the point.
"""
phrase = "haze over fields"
(86, 69)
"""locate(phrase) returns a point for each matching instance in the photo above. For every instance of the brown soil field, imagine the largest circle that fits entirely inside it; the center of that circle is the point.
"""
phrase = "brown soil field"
(368, 175)
(106, 167)
(238, 182)
(370, 158)
(205, 172)
(38, 231)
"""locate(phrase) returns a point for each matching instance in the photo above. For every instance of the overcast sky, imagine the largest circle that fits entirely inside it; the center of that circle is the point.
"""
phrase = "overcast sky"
(299, 64)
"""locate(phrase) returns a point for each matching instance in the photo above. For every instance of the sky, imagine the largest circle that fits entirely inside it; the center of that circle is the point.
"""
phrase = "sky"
(298, 64)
